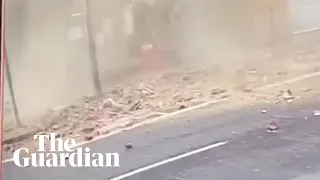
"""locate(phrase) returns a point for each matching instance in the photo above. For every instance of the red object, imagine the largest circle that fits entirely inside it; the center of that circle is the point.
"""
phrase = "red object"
(152, 58)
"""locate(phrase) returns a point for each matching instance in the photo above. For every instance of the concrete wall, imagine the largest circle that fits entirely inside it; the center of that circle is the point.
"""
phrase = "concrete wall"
(47, 51)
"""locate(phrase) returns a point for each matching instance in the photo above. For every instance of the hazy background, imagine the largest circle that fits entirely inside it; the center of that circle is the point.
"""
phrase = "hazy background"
(48, 54)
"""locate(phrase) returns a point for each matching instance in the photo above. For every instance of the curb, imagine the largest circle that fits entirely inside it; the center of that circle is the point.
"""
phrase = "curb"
(21, 136)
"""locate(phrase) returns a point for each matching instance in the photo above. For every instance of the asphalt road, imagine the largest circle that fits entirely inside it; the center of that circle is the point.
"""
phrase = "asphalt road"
(251, 154)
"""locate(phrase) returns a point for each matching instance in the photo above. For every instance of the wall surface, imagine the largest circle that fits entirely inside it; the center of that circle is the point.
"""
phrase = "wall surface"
(47, 51)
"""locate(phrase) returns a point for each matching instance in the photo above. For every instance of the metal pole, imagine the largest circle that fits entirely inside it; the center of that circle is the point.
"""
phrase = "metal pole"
(2, 80)
(6, 68)
(13, 98)
(92, 52)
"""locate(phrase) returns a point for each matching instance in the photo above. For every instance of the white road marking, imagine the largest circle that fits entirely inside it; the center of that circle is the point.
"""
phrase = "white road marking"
(166, 161)
(289, 81)
(306, 31)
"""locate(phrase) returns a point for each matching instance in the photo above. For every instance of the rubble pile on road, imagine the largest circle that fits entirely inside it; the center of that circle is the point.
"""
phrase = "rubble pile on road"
(126, 105)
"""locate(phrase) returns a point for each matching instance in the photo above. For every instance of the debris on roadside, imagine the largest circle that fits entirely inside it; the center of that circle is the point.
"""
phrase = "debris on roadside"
(263, 111)
(306, 90)
(129, 124)
(247, 89)
(288, 96)
(272, 126)
(182, 107)
(88, 129)
(136, 106)
(281, 73)
(225, 96)
(88, 137)
(108, 103)
(316, 113)
(7, 147)
(252, 71)
(277, 102)
(59, 135)
(128, 146)
(218, 91)
(289, 92)
(186, 78)
(265, 78)
(55, 127)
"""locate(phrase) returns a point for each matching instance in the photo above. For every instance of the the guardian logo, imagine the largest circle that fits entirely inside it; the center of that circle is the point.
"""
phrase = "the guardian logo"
(61, 154)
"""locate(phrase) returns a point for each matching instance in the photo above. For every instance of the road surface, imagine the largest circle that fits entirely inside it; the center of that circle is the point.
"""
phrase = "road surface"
(251, 153)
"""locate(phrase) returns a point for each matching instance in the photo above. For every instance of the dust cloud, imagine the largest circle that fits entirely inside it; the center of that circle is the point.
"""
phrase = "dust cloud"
(48, 51)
